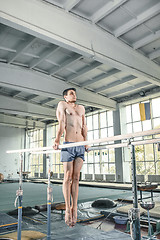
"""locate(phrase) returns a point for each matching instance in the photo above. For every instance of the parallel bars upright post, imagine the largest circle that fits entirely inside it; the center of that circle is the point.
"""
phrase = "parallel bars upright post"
(49, 199)
(19, 194)
(135, 212)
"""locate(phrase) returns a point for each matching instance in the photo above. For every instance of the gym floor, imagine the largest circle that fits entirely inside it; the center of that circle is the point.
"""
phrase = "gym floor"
(36, 194)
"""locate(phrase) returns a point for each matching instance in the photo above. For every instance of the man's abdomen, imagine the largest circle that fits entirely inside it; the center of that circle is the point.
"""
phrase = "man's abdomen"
(73, 135)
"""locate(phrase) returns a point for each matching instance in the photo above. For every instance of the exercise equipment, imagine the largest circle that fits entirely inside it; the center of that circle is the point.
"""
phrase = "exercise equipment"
(134, 214)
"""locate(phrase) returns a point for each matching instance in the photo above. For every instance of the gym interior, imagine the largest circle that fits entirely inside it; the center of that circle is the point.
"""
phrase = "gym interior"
(110, 52)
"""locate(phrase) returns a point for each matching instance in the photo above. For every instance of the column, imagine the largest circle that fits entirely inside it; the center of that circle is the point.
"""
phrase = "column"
(118, 151)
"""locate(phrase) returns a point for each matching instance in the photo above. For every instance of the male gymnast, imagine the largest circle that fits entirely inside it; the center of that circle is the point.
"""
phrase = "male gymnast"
(71, 118)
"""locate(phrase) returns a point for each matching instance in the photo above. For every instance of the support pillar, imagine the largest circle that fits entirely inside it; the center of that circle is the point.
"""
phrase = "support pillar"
(118, 151)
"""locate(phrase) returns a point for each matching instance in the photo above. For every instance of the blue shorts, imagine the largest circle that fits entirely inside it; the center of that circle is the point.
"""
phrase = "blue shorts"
(71, 153)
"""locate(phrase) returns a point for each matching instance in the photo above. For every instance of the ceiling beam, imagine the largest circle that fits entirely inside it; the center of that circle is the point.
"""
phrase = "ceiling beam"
(115, 84)
(91, 41)
(4, 33)
(144, 41)
(144, 16)
(20, 122)
(15, 93)
(8, 49)
(45, 54)
(22, 47)
(69, 4)
(100, 77)
(154, 54)
(3, 60)
(15, 106)
(129, 89)
(65, 64)
(30, 97)
(106, 10)
(50, 87)
(135, 98)
(93, 80)
(46, 101)
(83, 71)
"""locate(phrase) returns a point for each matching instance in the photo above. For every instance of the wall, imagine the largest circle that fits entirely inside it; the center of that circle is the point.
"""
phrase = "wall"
(10, 138)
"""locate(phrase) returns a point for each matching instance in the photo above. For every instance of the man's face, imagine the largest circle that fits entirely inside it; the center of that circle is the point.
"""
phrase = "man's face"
(71, 96)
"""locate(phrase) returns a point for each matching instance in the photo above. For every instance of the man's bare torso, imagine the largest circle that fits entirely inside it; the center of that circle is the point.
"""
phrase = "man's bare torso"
(74, 121)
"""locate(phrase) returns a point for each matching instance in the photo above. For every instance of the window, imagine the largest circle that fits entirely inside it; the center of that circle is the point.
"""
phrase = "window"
(100, 125)
(155, 109)
(36, 161)
(56, 165)
(147, 156)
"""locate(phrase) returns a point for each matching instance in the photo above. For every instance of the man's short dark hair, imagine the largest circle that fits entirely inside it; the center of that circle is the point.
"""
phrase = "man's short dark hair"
(65, 92)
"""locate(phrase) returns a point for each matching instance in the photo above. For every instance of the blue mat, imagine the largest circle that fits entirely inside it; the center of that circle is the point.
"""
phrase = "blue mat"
(7, 222)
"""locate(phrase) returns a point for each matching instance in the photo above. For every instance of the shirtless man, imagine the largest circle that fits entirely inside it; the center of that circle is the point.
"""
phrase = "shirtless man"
(71, 118)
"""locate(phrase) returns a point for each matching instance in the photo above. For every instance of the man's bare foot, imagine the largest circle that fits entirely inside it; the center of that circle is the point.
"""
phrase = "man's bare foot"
(74, 217)
(68, 218)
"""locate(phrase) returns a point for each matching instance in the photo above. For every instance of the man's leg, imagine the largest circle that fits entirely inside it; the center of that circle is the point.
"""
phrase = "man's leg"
(77, 165)
(68, 172)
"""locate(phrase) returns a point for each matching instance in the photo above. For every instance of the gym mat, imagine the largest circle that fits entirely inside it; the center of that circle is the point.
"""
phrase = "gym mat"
(7, 222)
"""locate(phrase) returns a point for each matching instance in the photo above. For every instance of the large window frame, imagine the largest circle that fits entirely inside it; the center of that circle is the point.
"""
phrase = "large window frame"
(35, 140)
(147, 156)
(100, 125)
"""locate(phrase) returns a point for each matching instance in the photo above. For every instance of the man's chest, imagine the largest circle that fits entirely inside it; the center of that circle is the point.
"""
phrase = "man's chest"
(73, 113)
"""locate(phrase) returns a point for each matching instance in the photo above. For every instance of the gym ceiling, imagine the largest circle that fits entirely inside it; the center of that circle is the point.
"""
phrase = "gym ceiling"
(108, 49)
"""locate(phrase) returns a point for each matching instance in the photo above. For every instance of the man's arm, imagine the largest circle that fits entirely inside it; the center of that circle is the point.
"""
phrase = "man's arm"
(61, 119)
(84, 129)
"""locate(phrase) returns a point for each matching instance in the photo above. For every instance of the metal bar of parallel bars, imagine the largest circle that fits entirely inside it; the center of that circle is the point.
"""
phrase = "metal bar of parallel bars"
(100, 147)
(96, 141)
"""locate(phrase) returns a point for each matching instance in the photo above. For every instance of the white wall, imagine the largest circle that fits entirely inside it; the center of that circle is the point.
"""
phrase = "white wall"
(10, 138)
